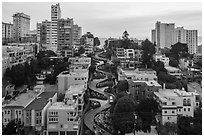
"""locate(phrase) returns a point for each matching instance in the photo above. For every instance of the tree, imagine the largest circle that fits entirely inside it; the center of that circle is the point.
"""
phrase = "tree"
(148, 52)
(48, 53)
(173, 62)
(18, 75)
(12, 127)
(44, 63)
(190, 125)
(125, 43)
(96, 41)
(123, 115)
(81, 50)
(179, 50)
(159, 67)
(147, 110)
(167, 129)
(122, 86)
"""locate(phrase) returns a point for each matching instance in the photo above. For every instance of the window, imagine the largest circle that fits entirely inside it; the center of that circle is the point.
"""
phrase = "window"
(5, 111)
(173, 103)
(168, 118)
(165, 112)
(75, 78)
(37, 114)
(19, 112)
(189, 109)
(184, 109)
(173, 112)
(5, 120)
(164, 103)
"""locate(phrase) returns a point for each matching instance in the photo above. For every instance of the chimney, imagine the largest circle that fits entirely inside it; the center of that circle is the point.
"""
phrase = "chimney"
(164, 86)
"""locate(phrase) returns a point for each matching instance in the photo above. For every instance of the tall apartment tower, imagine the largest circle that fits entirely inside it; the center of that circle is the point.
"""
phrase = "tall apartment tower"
(7, 32)
(163, 34)
(55, 16)
(77, 32)
(64, 33)
(192, 40)
(21, 26)
(190, 37)
(44, 34)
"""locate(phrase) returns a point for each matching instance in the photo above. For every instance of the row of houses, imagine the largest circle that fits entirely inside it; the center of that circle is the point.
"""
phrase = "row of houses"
(172, 102)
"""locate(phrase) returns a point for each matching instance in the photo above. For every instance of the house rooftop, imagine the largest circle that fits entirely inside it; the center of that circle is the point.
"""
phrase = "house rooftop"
(61, 106)
(41, 101)
(76, 89)
(21, 100)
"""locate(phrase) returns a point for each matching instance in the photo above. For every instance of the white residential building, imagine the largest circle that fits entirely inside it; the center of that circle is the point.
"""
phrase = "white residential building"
(66, 79)
(62, 117)
(137, 75)
(14, 108)
(190, 37)
(7, 32)
(174, 103)
(163, 34)
(79, 91)
(161, 58)
(55, 15)
(173, 71)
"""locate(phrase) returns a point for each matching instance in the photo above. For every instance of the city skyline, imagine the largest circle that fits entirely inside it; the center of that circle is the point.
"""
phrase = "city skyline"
(111, 19)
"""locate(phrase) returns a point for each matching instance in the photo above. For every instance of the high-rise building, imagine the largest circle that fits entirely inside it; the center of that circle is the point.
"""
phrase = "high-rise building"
(21, 26)
(7, 31)
(77, 32)
(55, 16)
(44, 33)
(64, 33)
(191, 40)
(190, 37)
(163, 34)
(153, 35)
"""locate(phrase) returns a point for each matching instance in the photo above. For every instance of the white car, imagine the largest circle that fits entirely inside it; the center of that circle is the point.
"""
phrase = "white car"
(111, 99)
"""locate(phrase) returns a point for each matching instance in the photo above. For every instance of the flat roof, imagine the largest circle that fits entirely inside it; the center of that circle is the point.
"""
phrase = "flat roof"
(75, 89)
(149, 83)
(171, 68)
(74, 74)
(41, 101)
(61, 105)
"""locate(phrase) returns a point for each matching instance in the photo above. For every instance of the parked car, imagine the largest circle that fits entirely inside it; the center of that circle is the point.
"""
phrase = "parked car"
(111, 99)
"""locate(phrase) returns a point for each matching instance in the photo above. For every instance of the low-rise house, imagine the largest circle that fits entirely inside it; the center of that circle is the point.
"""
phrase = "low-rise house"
(174, 103)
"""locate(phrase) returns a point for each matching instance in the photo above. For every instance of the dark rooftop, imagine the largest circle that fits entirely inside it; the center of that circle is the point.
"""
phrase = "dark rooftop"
(41, 101)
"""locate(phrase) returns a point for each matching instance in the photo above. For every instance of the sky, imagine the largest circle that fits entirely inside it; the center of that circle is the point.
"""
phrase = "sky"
(113, 18)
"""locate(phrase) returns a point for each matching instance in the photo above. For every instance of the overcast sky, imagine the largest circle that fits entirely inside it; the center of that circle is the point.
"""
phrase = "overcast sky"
(111, 19)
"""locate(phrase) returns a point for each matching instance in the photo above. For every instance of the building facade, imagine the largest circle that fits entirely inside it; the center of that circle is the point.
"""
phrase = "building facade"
(35, 114)
(62, 117)
(163, 34)
(161, 58)
(64, 33)
(21, 26)
(143, 89)
(7, 32)
(190, 37)
(55, 16)
(174, 103)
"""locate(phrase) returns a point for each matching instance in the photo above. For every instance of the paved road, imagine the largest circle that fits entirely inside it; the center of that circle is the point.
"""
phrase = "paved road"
(89, 116)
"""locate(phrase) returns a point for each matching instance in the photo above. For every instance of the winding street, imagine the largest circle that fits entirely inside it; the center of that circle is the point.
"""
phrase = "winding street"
(89, 116)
